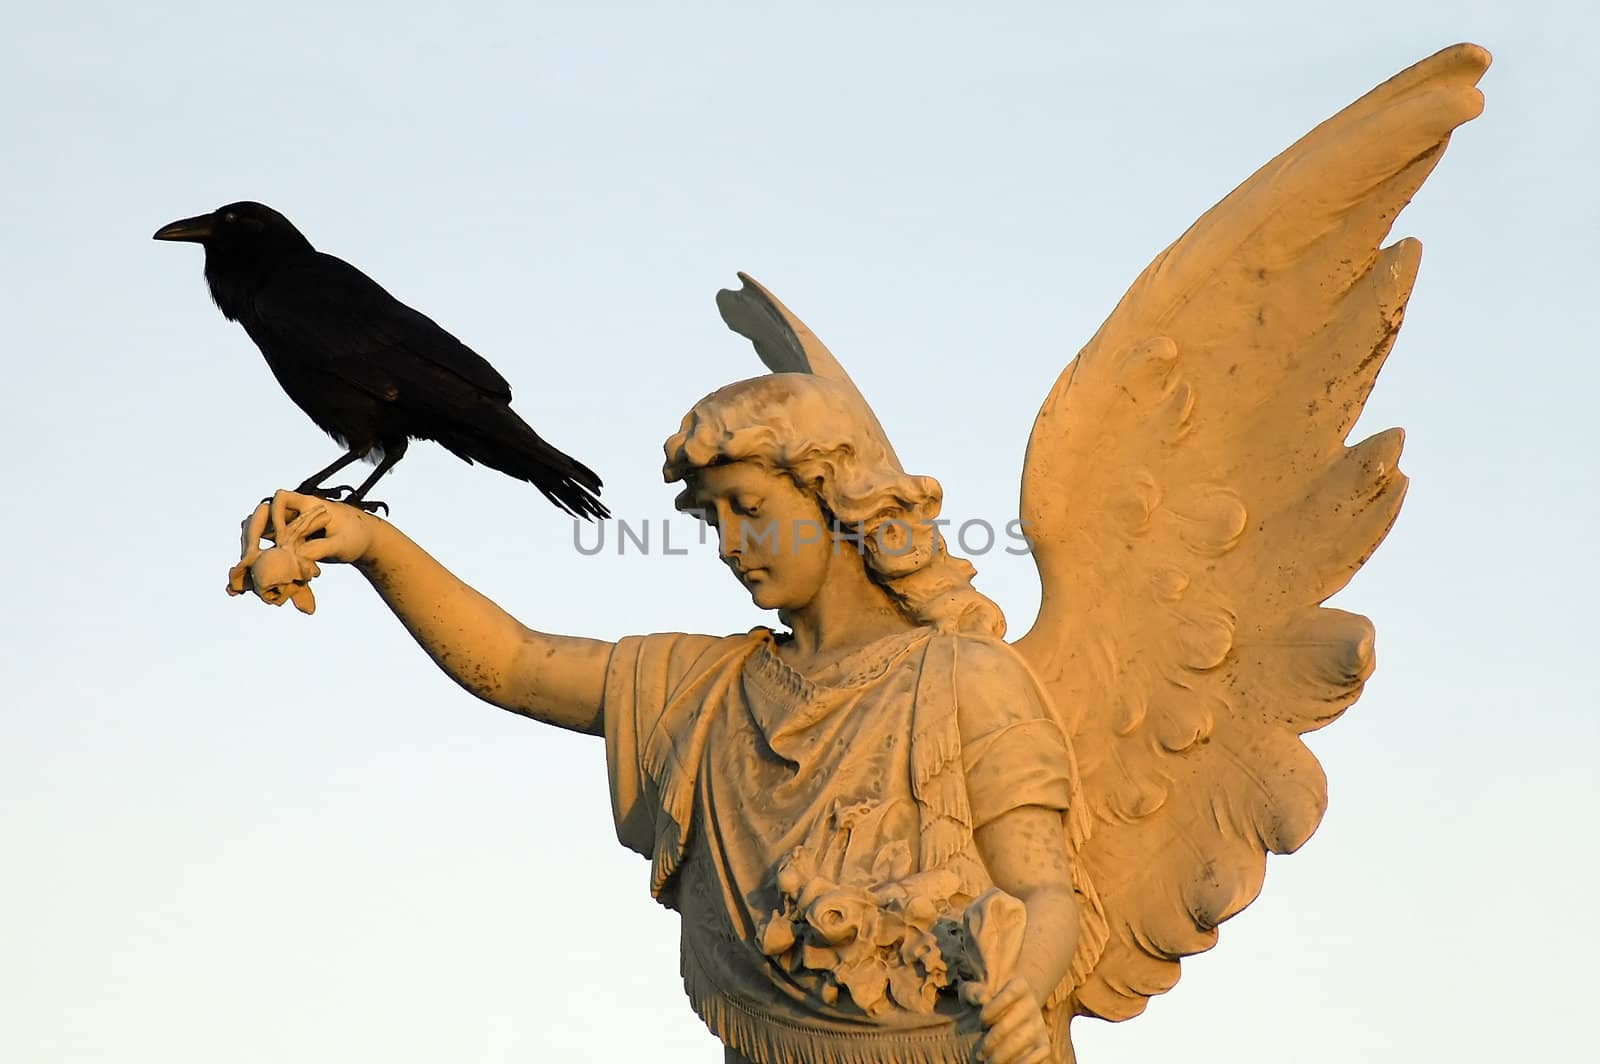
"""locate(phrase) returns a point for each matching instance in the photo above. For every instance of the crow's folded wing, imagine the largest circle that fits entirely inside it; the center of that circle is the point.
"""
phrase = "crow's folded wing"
(339, 317)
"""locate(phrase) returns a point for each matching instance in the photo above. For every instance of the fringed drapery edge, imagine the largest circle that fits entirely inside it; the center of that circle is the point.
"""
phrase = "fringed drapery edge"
(937, 781)
(765, 1039)
(674, 767)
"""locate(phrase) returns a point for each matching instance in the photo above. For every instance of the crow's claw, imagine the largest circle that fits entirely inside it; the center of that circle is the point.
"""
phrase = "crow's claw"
(336, 493)
(340, 493)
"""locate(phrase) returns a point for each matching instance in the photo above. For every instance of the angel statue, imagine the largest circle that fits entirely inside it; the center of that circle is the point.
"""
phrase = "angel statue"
(892, 836)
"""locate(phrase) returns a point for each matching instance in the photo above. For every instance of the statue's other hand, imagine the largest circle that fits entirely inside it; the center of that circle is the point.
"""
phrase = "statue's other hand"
(1014, 1027)
(342, 533)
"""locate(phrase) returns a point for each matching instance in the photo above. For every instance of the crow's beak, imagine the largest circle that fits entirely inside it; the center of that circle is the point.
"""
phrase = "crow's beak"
(194, 230)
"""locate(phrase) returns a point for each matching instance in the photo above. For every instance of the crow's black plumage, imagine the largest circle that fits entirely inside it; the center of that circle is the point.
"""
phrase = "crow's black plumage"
(369, 370)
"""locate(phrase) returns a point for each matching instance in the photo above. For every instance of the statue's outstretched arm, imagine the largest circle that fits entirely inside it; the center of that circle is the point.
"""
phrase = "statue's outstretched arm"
(552, 678)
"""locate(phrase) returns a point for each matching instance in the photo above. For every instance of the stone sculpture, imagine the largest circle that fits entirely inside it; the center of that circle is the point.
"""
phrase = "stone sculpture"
(895, 837)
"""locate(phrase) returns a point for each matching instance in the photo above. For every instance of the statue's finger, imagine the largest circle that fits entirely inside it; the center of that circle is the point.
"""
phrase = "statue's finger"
(251, 529)
(283, 504)
(309, 521)
(316, 550)
(1013, 1047)
(1005, 1024)
(286, 505)
(1002, 1000)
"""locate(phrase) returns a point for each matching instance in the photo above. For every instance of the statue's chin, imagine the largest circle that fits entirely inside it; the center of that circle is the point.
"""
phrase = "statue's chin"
(766, 596)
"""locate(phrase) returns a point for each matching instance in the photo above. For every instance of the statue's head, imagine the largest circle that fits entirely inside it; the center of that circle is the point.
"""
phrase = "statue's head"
(795, 474)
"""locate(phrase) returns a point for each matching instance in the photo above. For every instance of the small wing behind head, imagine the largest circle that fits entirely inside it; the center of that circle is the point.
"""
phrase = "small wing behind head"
(1191, 502)
(783, 342)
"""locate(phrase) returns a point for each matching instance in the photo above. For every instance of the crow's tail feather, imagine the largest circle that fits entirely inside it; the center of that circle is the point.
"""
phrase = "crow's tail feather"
(502, 440)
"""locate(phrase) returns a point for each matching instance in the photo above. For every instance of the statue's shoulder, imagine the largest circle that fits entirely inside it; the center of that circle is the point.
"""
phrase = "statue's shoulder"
(663, 662)
(691, 644)
(993, 685)
(979, 659)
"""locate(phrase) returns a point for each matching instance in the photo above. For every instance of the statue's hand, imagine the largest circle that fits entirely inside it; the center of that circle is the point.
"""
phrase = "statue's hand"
(346, 533)
(1014, 1027)
(305, 530)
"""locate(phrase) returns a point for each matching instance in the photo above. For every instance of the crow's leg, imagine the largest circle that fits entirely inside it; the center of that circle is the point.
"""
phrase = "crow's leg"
(358, 498)
(312, 485)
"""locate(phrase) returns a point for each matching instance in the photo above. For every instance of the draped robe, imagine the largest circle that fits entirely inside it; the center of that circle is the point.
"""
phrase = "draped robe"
(723, 761)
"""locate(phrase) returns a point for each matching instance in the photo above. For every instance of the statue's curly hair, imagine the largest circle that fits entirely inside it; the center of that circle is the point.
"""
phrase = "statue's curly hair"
(818, 432)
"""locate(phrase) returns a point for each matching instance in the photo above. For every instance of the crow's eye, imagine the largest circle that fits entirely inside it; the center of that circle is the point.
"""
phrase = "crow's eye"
(230, 217)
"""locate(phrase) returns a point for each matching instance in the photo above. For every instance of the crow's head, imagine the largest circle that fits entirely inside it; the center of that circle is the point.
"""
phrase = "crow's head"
(245, 244)
(243, 230)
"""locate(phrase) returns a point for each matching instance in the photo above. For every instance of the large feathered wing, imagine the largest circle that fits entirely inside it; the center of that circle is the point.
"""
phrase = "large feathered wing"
(1191, 502)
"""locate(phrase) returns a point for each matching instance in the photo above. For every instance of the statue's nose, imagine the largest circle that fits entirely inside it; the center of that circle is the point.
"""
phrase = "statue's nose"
(728, 547)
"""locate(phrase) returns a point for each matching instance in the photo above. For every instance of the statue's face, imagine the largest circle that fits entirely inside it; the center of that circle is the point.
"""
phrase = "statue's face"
(770, 533)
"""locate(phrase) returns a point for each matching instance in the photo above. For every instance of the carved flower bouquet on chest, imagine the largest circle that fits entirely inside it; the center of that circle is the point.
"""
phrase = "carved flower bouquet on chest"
(896, 944)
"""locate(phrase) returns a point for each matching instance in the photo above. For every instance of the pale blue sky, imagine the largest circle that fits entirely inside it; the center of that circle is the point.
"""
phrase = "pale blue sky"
(238, 834)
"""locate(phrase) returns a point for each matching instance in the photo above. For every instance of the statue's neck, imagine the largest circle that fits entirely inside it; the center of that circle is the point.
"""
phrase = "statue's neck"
(846, 615)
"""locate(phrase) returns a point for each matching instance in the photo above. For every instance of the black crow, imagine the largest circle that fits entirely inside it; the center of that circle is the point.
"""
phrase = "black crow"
(370, 371)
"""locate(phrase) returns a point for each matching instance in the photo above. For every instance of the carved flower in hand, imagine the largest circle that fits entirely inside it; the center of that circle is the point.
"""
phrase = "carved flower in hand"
(777, 938)
(891, 928)
(279, 574)
(877, 943)
(868, 982)
(921, 949)
(920, 913)
(794, 872)
(845, 918)
(817, 958)
(914, 990)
